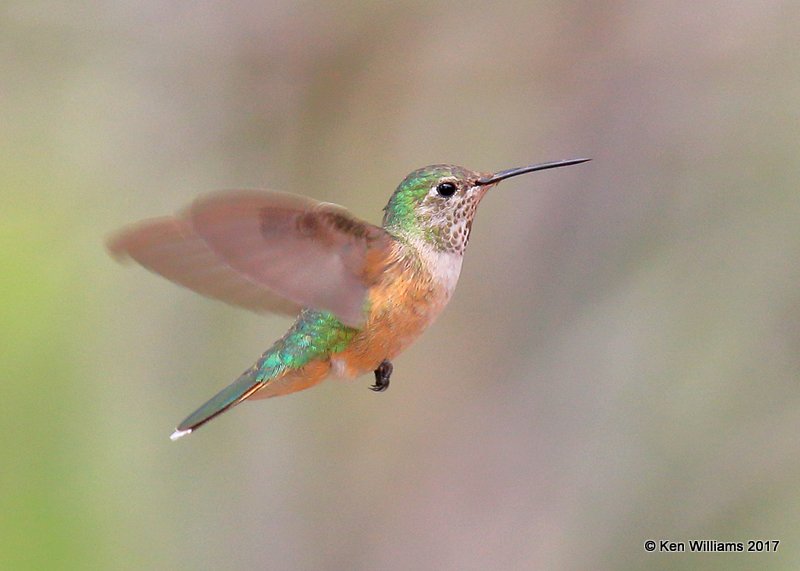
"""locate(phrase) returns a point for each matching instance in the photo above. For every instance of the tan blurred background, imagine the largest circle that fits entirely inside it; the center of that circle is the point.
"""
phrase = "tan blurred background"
(619, 363)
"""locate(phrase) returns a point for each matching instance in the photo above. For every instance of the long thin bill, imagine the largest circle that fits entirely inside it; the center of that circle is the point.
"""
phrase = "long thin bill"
(502, 175)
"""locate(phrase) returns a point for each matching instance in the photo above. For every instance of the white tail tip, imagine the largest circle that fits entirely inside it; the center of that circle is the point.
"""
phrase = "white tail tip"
(179, 434)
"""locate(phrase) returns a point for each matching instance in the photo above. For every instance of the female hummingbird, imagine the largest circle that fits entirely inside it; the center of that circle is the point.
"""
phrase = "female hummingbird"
(363, 292)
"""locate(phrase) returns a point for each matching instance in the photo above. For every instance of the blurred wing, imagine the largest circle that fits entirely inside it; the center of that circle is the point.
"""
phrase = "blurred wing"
(314, 254)
(168, 246)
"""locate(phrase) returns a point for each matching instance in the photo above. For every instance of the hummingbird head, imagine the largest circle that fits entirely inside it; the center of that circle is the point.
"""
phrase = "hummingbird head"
(437, 203)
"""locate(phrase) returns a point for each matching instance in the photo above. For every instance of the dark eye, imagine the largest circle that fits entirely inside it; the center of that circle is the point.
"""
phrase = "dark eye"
(446, 189)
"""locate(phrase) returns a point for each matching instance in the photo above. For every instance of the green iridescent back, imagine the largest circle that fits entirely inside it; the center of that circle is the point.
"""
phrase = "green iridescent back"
(314, 334)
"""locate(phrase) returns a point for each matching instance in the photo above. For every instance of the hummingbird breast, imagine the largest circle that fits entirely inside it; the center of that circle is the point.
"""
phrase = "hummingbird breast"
(409, 296)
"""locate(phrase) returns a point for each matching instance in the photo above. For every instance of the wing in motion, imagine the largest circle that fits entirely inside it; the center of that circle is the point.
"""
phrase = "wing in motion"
(265, 251)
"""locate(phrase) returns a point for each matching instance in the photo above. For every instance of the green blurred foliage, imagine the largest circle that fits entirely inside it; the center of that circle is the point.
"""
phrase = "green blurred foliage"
(619, 363)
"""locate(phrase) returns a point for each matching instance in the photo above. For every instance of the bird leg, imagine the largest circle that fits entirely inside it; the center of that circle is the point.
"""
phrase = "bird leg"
(382, 374)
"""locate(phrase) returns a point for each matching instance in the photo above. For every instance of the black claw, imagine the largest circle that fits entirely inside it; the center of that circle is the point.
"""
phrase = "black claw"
(382, 375)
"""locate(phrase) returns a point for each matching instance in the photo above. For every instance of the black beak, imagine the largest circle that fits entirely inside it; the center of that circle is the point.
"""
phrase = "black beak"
(502, 175)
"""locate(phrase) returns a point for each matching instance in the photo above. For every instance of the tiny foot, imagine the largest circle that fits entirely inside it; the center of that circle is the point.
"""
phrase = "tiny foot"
(382, 375)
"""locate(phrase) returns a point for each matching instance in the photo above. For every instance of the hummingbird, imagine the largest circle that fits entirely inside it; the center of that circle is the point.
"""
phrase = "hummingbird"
(361, 293)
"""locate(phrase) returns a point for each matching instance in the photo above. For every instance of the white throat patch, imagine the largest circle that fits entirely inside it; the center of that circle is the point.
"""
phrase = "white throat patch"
(445, 267)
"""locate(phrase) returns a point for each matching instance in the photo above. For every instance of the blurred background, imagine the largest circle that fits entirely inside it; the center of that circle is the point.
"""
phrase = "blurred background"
(619, 363)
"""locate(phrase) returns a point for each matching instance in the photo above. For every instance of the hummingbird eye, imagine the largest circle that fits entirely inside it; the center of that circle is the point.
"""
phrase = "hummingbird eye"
(446, 189)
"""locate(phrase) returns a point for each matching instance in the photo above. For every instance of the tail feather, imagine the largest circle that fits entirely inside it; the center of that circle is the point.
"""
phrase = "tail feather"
(227, 398)
(260, 381)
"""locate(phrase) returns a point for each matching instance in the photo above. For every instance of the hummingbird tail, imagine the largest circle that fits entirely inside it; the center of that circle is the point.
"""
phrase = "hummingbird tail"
(227, 398)
(253, 383)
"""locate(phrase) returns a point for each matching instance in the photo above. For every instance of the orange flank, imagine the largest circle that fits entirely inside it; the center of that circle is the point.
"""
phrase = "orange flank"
(400, 310)
(401, 305)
